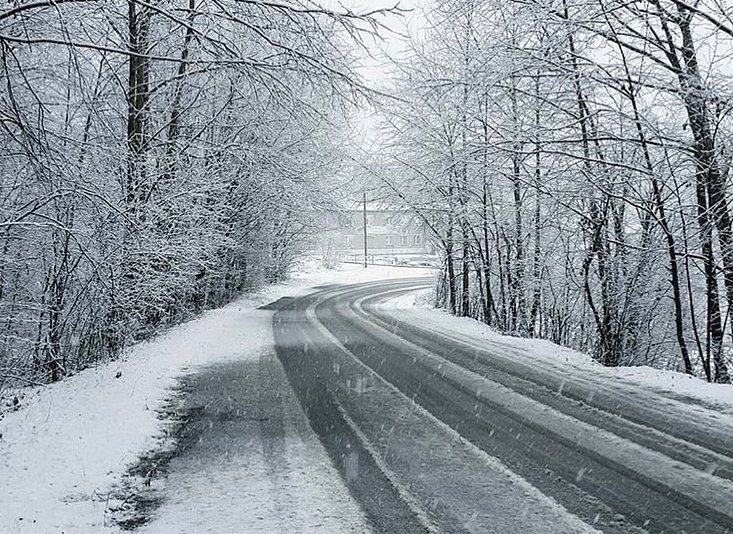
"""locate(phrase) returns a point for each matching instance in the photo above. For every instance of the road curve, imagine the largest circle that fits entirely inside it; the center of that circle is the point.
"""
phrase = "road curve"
(413, 417)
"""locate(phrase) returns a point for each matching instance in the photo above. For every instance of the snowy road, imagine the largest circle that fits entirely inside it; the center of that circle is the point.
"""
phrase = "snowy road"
(415, 416)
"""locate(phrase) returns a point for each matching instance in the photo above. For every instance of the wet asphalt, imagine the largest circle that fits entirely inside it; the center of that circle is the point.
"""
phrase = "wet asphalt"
(603, 492)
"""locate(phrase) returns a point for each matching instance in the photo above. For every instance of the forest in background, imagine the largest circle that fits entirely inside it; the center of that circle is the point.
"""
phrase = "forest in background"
(156, 159)
(572, 160)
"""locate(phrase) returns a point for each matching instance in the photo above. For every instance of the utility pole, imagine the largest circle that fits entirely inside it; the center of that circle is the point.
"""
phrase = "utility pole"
(365, 229)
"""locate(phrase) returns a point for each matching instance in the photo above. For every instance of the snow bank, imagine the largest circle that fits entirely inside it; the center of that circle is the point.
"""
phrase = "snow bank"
(69, 443)
(416, 308)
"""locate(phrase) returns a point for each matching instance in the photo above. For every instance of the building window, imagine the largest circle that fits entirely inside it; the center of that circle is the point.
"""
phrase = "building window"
(403, 240)
(416, 239)
(388, 240)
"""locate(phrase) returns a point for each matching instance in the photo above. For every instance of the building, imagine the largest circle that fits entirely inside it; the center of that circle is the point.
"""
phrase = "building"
(390, 232)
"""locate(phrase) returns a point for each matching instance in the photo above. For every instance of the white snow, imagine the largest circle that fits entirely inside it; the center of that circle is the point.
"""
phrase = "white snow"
(671, 473)
(69, 443)
(416, 308)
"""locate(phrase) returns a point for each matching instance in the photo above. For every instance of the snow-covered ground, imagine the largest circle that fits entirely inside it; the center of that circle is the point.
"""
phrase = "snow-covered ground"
(69, 444)
(416, 307)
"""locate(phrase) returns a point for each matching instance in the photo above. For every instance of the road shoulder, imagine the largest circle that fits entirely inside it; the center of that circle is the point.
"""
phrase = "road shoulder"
(66, 448)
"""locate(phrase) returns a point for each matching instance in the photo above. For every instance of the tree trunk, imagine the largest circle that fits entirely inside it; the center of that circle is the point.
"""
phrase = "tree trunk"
(138, 95)
(710, 180)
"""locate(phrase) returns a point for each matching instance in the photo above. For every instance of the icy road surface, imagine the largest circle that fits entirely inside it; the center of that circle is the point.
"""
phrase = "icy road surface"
(346, 409)
(415, 416)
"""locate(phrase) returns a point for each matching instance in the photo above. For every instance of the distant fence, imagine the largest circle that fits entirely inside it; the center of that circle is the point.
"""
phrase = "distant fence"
(421, 261)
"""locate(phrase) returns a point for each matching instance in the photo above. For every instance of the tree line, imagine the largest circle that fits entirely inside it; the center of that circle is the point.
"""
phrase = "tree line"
(155, 159)
(572, 159)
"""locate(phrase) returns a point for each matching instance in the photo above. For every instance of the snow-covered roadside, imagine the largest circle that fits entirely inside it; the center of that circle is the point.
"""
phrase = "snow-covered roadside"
(71, 442)
(417, 307)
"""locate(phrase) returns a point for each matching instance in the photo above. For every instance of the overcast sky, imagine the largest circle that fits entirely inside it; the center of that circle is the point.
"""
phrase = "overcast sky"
(374, 66)
(373, 63)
